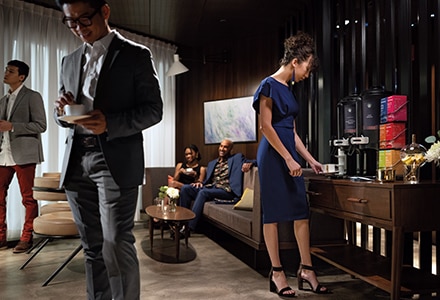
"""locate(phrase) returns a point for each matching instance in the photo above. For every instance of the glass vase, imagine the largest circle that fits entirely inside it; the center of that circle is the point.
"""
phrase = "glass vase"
(413, 158)
(172, 203)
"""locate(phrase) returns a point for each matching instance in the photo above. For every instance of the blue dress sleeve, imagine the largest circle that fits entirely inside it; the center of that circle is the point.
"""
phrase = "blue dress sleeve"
(264, 89)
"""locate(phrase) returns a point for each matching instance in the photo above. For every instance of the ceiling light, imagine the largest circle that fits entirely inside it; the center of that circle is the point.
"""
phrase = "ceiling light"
(177, 67)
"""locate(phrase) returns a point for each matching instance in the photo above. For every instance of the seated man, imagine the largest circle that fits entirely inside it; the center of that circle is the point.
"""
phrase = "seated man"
(224, 180)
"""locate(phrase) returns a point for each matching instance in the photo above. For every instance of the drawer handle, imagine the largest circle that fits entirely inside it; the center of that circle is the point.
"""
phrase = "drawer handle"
(311, 193)
(357, 200)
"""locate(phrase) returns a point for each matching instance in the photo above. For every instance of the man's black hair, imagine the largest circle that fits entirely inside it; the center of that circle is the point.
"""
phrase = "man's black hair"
(96, 4)
(23, 68)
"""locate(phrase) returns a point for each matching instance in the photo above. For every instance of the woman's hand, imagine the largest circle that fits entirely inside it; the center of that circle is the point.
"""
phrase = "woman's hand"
(316, 167)
(295, 169)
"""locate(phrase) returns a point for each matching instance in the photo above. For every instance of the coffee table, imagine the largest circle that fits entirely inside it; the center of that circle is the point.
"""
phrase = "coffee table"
(176, 221)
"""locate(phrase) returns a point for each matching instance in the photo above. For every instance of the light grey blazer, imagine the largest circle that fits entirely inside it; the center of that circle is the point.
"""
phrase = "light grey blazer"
(28, 119)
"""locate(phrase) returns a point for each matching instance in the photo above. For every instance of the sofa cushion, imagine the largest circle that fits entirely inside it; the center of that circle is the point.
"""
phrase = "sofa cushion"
(238, 220)
(247, 200)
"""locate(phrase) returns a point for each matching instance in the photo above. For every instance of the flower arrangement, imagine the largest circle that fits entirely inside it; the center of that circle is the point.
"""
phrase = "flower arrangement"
(172, 194)
(433, 153)
(162, 191)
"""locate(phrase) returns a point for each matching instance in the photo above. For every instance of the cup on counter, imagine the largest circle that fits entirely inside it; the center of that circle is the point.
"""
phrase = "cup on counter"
(74, 110)
(385, 175)
(330, 168)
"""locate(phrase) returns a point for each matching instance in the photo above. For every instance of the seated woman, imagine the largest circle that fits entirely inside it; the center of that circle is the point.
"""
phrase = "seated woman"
(189, 171)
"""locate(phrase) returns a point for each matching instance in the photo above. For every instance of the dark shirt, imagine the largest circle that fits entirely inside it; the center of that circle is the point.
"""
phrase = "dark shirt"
(187, 179)
(220, 177)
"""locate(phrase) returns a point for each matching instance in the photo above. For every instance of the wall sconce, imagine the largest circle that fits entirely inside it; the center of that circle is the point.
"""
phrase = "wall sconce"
(177, 67)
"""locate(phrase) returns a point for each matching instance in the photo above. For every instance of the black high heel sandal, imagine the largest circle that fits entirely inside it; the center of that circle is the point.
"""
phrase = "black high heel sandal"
(273, 287)
(301, 280)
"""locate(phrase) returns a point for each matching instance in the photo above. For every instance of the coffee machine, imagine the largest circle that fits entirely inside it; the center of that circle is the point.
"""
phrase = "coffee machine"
(349, 138)
(357, 141)
(371, 126)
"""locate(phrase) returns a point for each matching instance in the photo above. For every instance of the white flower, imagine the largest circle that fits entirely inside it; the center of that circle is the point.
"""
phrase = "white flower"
(173, 193)
(433, 153)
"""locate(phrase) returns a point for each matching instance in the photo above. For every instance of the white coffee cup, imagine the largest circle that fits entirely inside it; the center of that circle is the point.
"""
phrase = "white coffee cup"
(330, 168)
(74, 110)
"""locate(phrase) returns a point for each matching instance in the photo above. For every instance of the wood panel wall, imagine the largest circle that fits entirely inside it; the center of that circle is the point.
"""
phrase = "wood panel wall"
(229, 69)
(393, 44)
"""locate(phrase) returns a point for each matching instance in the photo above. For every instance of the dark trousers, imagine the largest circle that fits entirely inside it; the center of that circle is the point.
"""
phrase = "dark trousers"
(200, 196)
(25, 176)
(104, 214)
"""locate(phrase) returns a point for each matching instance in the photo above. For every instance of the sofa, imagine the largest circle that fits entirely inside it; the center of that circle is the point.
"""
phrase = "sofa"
(245, 225)
(238, 230)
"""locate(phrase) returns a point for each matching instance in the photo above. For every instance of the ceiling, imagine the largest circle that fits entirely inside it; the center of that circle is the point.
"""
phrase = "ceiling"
(196, 22)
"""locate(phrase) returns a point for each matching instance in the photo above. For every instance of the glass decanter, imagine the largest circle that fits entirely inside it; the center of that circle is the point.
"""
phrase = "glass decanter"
(413, 157)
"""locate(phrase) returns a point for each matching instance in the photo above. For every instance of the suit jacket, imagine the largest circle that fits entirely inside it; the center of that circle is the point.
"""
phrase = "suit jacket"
(128, 94)
(235, 174)
(28, 119)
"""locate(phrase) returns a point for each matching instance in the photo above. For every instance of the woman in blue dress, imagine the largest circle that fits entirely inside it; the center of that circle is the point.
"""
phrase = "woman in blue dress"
(283, 193)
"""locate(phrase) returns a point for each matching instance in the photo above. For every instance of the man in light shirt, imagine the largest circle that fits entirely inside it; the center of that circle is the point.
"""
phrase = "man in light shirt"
(22, 120)
(103, 166)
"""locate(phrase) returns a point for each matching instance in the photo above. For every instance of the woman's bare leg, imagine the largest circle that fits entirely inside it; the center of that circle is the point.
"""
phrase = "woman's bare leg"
(270, 232)
(302, 234)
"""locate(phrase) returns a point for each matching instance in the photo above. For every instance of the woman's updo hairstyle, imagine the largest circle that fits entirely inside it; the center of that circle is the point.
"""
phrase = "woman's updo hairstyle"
(301, 47)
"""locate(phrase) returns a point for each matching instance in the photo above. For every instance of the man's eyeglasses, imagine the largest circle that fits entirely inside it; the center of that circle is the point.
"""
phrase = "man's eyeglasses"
(84, 21)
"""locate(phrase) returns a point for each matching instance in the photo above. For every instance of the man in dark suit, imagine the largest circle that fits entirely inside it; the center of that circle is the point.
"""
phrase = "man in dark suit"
(224, 180)
(116, 81)
(22, 120)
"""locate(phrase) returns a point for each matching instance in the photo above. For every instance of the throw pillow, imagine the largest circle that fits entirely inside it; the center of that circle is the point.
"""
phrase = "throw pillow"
(247, 200)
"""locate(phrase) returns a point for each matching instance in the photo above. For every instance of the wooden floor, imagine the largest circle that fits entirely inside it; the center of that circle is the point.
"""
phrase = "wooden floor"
(213, 274)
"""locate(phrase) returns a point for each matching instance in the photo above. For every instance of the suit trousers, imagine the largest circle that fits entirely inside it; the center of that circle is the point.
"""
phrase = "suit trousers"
(200, 196)
(25, 177)
(104, 214)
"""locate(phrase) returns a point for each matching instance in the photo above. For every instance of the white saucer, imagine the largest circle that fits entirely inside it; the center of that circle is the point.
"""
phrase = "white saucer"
(71, 119)
(328, 173)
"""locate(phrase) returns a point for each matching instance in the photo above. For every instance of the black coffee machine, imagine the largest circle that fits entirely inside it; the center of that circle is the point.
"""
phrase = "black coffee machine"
(371, 126)
(358, 118)
(349, 116)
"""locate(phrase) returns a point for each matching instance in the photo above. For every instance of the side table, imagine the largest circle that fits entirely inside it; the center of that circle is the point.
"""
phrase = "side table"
(176, 220)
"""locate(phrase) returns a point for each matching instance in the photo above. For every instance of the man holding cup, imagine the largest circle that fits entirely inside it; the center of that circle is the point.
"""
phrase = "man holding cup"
(103, 166)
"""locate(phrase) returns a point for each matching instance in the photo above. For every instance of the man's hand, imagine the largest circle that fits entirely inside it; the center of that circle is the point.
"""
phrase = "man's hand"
(63, 100)
(246, 167)
(95, 123)
(197, 184)
(5, 126)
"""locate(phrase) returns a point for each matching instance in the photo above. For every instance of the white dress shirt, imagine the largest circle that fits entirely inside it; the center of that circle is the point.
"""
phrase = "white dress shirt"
(94, 59)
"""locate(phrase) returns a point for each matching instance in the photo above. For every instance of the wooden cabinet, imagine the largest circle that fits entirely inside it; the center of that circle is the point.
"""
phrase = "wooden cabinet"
(396, 207)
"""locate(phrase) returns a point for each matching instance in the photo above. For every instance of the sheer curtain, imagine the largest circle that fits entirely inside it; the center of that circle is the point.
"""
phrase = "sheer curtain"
(35, 35)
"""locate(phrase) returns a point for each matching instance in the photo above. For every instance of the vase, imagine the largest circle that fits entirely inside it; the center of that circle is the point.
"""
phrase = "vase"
(172, 203)
(413, 158)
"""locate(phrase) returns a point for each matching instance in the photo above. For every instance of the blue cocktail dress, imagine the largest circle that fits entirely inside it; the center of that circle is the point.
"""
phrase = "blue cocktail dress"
(283, 197)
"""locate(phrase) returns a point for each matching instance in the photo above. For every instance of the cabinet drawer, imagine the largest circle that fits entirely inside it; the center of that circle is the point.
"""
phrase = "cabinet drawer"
(321, 194)
(366, 201)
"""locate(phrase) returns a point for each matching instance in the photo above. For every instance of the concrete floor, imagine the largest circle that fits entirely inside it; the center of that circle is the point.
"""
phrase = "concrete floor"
(213, 274)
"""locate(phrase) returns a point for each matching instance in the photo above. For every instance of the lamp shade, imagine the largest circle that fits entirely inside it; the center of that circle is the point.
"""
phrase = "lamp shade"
(177, 67)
